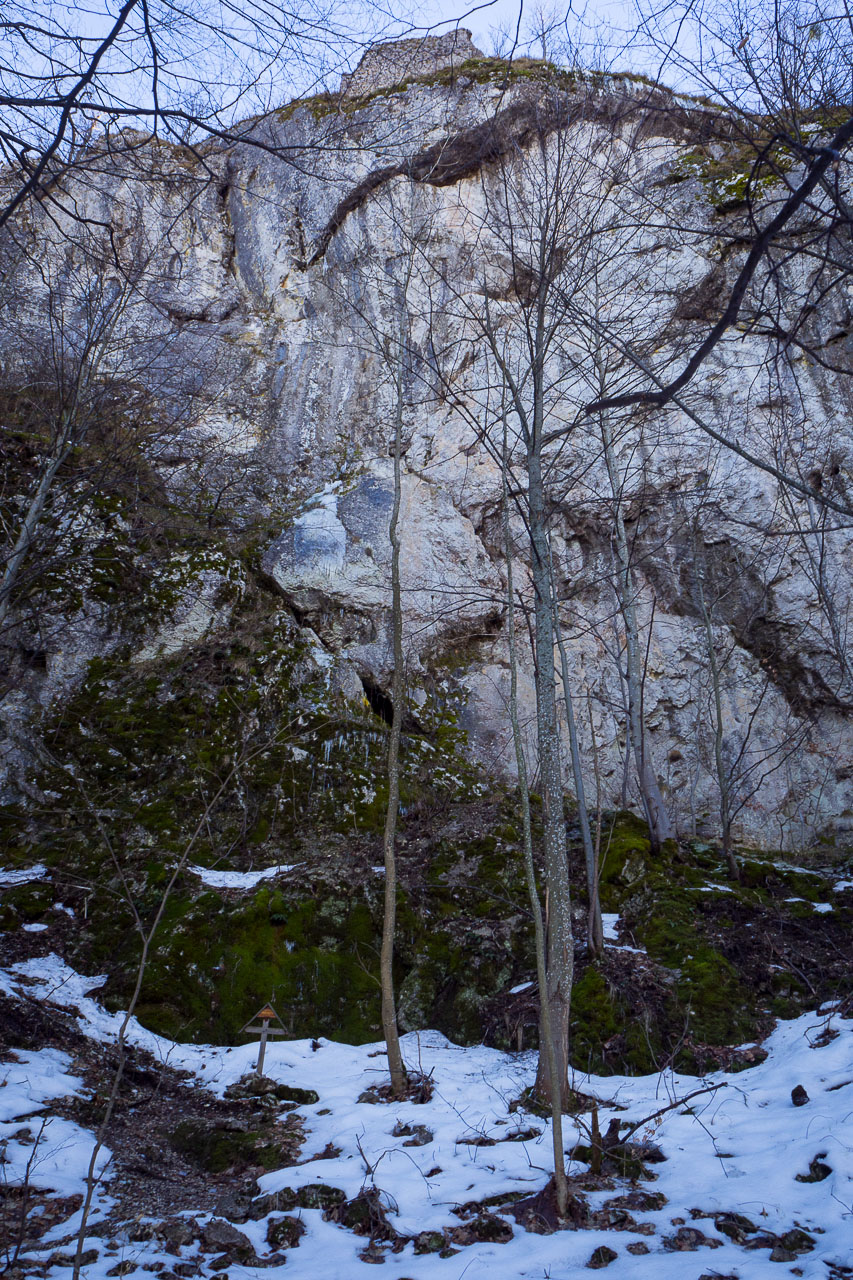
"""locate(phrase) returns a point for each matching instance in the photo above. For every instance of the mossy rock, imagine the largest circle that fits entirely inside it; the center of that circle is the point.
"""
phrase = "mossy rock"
(707, 988)
(486, 1228)
(625, 858)
(797, 1241)
(596, 1016)
(602, 1257)
(315, 1195)
(143, 737)
(262, 1087)
(285, 1233)
(428, 1242)
(290, 1093)
(754, 874)
(734, 177)
(364, 1215)
(216, 1149)
(735, 1225)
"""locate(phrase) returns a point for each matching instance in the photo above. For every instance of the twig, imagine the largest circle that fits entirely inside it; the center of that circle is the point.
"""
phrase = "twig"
(679, 1102)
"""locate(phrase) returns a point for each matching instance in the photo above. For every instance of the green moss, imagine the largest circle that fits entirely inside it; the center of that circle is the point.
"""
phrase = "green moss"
(799, 910)
(285, 1233)
(217, 1149)
(299, 777)
(625, 858)
(316, 1195)
(754, 874)
(26, 903)
(474, 70)
(596, 1017)
(734, 178)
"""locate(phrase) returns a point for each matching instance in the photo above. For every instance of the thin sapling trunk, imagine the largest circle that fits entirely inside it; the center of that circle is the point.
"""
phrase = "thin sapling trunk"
(389, 919)
(595, 929)
(545, 1028)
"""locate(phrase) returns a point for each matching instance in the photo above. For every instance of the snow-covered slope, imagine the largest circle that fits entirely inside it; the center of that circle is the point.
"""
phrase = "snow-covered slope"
(743, 1149)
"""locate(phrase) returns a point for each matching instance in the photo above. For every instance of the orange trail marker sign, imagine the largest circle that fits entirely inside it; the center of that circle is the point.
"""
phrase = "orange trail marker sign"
(261, 1023)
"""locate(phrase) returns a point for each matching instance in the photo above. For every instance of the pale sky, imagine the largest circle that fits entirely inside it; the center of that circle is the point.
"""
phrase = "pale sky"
(610, 23)
(616, 16)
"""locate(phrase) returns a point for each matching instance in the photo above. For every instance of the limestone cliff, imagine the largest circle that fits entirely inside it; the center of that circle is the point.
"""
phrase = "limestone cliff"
(269, 280)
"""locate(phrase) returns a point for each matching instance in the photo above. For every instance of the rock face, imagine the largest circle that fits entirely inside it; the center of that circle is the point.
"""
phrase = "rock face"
(337, 553)
(386, 65)
(280, 275)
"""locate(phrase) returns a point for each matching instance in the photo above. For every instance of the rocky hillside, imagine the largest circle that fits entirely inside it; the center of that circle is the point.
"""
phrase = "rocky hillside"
(207, 352)
(197, 652)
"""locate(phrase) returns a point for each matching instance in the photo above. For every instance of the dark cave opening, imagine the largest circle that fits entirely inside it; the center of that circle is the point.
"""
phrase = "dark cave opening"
(378, 700)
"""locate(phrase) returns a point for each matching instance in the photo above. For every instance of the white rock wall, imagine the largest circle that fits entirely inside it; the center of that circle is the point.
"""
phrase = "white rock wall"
(302, 356)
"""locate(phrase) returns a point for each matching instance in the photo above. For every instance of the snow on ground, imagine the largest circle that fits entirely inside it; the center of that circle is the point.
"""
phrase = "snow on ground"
(609, 921)
(239, 879)
(610, 930)
(21, 875)
(739, 1151)
(43, 1150)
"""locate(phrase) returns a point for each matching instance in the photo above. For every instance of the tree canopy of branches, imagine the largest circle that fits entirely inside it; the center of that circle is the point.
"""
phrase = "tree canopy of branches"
(74, 77)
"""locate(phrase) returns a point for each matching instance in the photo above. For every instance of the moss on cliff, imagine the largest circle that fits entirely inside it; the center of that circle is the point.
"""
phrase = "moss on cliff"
(733, 175)
(237, 754)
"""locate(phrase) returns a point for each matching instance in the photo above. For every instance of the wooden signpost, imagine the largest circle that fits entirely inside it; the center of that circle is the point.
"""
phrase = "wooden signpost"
(264, 1017)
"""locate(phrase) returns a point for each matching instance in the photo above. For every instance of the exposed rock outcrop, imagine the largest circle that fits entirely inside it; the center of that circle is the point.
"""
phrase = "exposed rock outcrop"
(385, 65)
(273, 280)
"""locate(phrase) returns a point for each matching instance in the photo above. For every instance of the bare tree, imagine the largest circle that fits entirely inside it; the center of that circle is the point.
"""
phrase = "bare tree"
(546, 1030)
(594, 927)
(776, 86)
(396, 354)
(85, 333)
(545, 213)
(380, 310)
(732, 594)
(99, 389)
(660, 828)
(534, 225)
(539, 212)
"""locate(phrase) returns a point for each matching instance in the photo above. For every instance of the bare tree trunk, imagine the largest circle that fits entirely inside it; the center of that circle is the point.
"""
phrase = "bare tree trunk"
(27, 532)
(560, 942)
(660, 828)
(545, 1029)
(598, 806)
(594, 928)
(389, 918)
(723, 778)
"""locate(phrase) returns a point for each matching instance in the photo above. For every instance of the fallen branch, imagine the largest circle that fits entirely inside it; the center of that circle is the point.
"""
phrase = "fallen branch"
(679, 1102)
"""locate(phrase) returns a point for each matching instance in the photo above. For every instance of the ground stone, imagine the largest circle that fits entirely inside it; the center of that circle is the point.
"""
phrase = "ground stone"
(602, 1257)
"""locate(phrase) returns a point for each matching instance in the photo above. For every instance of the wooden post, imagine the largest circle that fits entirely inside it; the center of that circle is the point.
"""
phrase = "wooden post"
(265, 1016)
(265, 1026)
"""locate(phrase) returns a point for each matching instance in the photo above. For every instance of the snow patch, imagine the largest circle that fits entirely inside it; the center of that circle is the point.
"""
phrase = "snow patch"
(239, 879)
(23, 875)
(609, 921)
(738, 1149)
